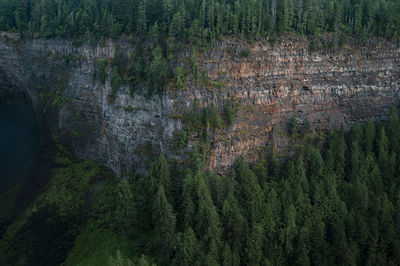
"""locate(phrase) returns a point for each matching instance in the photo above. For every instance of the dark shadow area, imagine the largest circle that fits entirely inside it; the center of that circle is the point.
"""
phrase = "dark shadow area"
(45, 239)
(19, 143)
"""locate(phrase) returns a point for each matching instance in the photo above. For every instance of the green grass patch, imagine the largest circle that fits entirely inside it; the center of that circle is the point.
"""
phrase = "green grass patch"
(93, 247)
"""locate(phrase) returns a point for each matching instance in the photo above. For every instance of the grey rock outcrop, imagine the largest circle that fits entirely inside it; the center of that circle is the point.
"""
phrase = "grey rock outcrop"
(58, 76)
(329, 88)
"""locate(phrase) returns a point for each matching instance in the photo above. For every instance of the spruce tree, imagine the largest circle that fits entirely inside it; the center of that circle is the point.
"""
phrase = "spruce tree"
(249, 192)
(160, 173)
(235, 225)
(141, 20)
(188, 200)
(125, 210)
(187, 248)
(254, 245)
(164, 222)
(208, 222)
(157, 71)
(393, 129)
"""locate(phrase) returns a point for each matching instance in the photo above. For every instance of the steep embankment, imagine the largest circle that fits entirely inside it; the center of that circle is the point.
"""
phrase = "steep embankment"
(270, 82)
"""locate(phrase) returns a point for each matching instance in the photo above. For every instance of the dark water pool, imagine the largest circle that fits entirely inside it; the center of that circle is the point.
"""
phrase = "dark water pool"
(19, 143)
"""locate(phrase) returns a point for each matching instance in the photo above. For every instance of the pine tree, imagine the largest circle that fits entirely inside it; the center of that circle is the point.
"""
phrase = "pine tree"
(161, 174)
(315, 170)
(320, 248)
(358, 20)
(164, 221)
(227, 256)
(125, 210)
(141, 20)
(189, 198)
(157, 72)
(137, 68)
(177, 25)
(196, 163)
(249, 192)
(289, 231)
(385, 161)
(254, 245)
(235, 225)
(356, 155)
(208, 223)
(393, 129)
(167, 7)
(187, 248)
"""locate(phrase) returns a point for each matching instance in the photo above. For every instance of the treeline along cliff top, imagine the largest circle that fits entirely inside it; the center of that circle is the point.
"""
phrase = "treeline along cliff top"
(199, 19)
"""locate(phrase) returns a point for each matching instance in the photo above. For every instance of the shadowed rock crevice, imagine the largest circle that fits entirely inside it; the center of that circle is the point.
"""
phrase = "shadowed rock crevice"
(19, 134)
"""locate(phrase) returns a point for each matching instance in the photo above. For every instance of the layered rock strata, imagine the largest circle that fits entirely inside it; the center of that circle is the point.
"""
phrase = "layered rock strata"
(271, 83)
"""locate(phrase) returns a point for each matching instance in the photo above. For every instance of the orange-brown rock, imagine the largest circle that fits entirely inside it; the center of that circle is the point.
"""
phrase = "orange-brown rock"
(329, 88)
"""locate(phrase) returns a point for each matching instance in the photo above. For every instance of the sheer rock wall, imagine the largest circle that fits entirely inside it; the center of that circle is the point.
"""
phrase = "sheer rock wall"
(271, 83)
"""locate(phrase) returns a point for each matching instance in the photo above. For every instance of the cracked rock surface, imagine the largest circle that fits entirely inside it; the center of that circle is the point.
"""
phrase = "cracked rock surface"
(328, 88)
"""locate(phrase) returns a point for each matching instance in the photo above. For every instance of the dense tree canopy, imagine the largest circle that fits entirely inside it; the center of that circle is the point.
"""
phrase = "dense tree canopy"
(199, 19)
(338, 205)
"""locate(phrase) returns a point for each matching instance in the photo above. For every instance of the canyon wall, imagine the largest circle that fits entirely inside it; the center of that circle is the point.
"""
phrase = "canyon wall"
(271, 84)
(329, 88)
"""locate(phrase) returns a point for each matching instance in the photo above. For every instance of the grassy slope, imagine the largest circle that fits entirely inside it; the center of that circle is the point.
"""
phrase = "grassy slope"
(92, 247)
(98, 239)
(46, 230)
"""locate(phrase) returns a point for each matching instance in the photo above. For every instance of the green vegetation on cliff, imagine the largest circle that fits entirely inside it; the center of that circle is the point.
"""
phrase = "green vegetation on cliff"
(45, 231)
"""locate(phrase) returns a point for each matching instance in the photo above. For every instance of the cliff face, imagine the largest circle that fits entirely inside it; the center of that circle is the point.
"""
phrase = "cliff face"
(61, 79)
(271, 83)
(329, 89)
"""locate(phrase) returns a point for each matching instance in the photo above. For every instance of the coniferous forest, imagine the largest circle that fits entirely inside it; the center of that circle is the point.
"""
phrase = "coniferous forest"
(332, 199)
(201, 19)
(335, 201)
